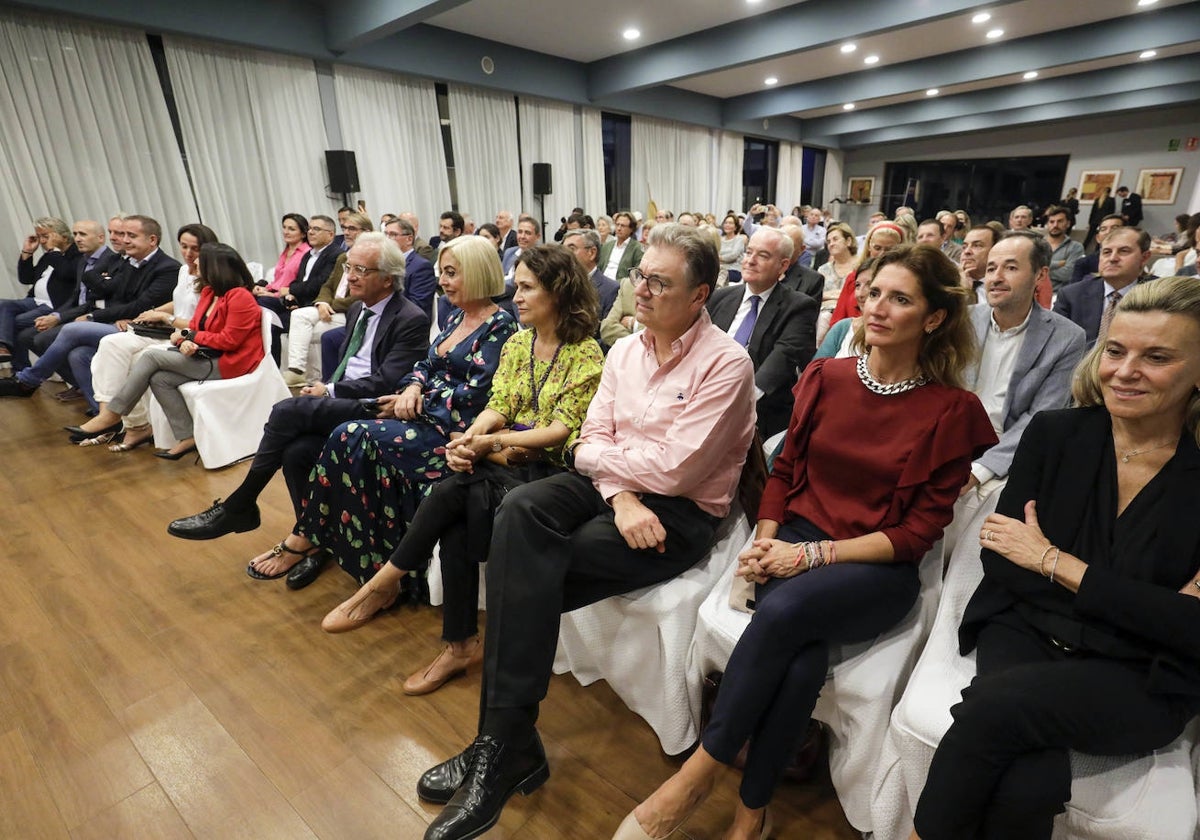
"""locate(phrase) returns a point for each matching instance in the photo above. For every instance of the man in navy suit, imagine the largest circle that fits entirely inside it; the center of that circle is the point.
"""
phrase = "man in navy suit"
(316, 265)
(1089, 303)
(776, 325)
(419, 282)
(528, 234)
(395, 337)
(1129, 206)
(585, 245)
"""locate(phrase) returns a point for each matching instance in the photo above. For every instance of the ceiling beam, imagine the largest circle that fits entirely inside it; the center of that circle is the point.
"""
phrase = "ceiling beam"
(795, 28)
(1168, 27)
(1104, 82)
(354, 23)
(1089, 107)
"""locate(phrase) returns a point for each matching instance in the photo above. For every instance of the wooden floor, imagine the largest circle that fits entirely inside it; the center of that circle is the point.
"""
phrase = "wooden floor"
(149, 688)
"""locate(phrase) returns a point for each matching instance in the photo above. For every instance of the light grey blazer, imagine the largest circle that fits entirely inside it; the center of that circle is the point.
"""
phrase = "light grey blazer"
(1041, 377)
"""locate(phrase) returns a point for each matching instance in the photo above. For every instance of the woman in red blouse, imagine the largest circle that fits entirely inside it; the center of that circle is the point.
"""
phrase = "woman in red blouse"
(845, 519)
(223, 340)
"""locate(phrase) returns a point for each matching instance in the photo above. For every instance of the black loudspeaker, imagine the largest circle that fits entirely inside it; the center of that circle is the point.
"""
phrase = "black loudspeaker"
(343, 171)
(543, 184)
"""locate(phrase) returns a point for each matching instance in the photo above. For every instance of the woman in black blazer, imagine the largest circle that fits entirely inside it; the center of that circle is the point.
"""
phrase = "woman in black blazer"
(1103, 205)
(1086, 622)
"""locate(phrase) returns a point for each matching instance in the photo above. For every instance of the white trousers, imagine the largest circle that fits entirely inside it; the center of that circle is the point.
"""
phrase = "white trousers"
(304, 339)
(111, 366)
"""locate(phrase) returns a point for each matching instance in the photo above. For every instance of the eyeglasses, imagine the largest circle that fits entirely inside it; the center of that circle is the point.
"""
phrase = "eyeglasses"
(360, 270)
(348, 228)
(657, 285)
(317, 229)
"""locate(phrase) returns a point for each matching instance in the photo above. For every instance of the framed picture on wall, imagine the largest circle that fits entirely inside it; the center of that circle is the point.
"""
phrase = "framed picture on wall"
(1159, 186)
(1091, 181)
(861, 190)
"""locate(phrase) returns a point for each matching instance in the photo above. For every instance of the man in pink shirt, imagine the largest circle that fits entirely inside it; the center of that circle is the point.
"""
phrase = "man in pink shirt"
(657, 463)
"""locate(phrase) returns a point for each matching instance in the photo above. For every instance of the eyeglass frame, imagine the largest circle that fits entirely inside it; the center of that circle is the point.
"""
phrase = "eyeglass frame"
(654, 283)
(359, 270)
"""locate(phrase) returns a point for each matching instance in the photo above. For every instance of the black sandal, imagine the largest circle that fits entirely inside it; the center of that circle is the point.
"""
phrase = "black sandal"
(276, 551)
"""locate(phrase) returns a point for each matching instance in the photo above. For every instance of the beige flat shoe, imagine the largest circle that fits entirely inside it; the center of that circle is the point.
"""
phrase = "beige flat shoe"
(631, 829)
(339, 619)
(446, 667)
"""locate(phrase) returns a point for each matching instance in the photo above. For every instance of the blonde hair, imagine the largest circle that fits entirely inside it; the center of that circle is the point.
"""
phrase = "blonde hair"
(1170, 295)
(890, 228)
(947, 351)
(479, 264)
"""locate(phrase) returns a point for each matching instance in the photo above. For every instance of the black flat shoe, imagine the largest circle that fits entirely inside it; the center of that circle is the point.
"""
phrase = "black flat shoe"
(307, 570)
(495, 773)
(217, 521)
(78, 433)
(168, 455)
(13, 387)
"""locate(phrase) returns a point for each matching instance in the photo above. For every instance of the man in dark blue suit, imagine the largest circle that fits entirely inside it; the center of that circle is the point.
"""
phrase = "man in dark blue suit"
(1090, 303)
(585, 245)
(528, 234)
(392, 337)
(419, 281)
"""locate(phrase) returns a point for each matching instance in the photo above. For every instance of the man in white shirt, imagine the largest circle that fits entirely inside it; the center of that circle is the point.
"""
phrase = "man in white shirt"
(621, 252)
(1027, 354)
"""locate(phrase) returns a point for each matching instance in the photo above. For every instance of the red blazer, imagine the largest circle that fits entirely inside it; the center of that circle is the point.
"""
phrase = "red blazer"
(235, 327)
(847, 306)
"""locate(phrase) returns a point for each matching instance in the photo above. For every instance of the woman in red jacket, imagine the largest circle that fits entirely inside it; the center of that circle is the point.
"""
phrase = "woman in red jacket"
(223, 340)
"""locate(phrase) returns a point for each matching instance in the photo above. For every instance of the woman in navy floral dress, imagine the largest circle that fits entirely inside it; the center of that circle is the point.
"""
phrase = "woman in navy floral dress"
(372, 474)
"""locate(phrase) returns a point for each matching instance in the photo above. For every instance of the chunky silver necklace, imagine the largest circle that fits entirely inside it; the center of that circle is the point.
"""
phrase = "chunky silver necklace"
(876, 387)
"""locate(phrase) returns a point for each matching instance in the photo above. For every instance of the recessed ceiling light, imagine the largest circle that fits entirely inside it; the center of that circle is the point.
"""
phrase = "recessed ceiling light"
(871, 59)
(1032, 74)
(771, 80)
(631, 34)
(932, 92)
(982, 17)
(1148, 54)
(849, 48)
(849, 106)
(1147, 2)
(993, 34)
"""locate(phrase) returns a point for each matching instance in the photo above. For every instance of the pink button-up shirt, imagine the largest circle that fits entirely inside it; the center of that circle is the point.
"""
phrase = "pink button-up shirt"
(677, 429)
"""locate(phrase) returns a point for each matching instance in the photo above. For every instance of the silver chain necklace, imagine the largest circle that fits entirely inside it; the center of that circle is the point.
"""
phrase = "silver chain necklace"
(876, 387)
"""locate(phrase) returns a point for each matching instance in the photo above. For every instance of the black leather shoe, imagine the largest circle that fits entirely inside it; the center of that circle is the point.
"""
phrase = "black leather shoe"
(215, 522)
(78, 434)
(438, 784)
(494, 773)
(307, 570)
(13, 387)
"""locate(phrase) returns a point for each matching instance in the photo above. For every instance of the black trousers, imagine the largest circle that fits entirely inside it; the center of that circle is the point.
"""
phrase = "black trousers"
(555, 548)
(292, 440)
(775, 674)
(459, 512)
(1002, 771)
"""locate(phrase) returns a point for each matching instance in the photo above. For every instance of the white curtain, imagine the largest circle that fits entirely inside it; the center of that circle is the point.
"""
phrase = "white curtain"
(788, 175)
(727, 188)
(391, 123)
(595, 197)
(548, 136)
(835, 184)
(671, 164)
(84, 131)
(255, 140)
(487, 168)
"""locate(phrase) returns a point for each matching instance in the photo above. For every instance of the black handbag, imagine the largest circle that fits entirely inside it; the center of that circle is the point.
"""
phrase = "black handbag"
(157, 331)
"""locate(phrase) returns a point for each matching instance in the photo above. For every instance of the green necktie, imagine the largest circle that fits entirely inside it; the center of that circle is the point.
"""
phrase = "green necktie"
(356, 342)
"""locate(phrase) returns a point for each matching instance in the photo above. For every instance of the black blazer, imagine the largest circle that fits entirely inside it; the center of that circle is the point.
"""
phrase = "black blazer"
(305, 291)
(401, 340)
(1083, 303)
(107, 263)
(1057, 458)
(804, 280)
(1131, 210)
(1100, 209)
(62, 279)
(784, 340)
(149, 285)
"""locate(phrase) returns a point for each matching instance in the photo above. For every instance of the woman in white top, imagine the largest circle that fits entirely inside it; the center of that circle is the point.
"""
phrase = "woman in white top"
(118, 352)
(843, 251)
(733, 244)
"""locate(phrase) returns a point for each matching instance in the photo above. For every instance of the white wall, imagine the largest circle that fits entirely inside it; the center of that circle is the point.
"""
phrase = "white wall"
(1125, 142)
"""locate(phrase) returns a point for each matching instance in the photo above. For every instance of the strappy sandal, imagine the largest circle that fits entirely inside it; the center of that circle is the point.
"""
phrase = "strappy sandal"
(100, 439)
(276, 551)
(126, 446)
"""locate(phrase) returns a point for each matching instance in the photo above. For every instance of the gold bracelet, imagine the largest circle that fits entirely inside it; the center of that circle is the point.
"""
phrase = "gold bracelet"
(1042, 560)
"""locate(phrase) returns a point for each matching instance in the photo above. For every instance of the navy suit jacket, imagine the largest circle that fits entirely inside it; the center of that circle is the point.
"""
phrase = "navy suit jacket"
(401, 340)
(804, 280)
(1083, 303)
(138, 289)
(509, 259)
(606, 289)
(419, 282)
(783, 341)
(1041, 376)
(306, 291)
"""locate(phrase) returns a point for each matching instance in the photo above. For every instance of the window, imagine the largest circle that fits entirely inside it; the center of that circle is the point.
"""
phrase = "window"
(759, 167)
(615, 130)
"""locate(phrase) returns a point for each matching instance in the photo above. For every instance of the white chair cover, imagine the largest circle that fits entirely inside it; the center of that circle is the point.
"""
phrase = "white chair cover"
(1136, 798)
(228, 414)
(864, 682)
(638, 642)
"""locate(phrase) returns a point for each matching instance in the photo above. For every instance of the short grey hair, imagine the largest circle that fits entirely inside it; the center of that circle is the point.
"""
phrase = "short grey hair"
(701, 261)
(590, 238)
(391, 261)
(783, 240)
(54, 225)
